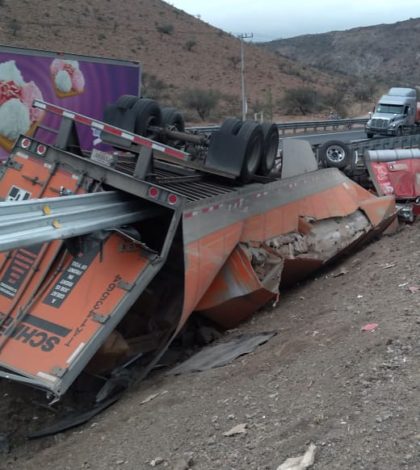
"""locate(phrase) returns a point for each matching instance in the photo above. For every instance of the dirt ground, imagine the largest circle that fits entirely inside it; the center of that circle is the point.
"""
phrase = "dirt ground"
(354, 394)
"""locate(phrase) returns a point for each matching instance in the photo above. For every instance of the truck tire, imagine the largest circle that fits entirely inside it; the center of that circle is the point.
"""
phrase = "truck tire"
(369, 135)
(173, 119)
(126, 101)
(399, 132)
(148, 113)
(231, 126)
(335, 154)
(252, 139)
(270, 148)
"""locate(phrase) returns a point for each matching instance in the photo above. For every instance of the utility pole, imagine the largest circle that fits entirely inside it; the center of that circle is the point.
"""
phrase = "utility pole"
(241, 38)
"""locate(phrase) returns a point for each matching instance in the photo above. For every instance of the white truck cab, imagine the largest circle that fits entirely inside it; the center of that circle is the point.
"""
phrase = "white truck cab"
(395, 113)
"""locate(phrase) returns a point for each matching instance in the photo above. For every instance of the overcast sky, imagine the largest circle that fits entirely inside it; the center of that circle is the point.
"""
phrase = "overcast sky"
(275, 19)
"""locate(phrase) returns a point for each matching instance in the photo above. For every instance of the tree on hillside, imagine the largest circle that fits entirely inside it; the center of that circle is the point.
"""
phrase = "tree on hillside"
(153, 87)
(301, 100)
(365, 91)
(201, 101)
(335, 101)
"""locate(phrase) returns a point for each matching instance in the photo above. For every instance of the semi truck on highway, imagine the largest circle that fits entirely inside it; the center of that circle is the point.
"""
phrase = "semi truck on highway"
(396, 113)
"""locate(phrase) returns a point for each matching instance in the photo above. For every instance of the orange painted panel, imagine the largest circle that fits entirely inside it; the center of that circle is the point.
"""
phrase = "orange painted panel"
(22, 271)
(203, 260)
(70, 311)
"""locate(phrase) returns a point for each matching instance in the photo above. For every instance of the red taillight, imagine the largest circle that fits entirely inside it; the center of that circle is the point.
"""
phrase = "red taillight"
(41, 149)
(153, 192)
(25, 143)
(172, 199)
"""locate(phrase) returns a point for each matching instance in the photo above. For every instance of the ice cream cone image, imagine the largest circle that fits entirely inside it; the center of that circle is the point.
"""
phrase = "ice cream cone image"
(67, 78)
(8, 144)
(17, 116)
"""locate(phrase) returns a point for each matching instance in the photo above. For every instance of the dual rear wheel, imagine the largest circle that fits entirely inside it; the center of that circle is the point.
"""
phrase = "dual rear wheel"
(258, 143)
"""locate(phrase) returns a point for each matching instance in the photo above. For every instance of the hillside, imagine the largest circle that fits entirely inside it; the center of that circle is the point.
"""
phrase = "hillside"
(387, 52)
(177, 51)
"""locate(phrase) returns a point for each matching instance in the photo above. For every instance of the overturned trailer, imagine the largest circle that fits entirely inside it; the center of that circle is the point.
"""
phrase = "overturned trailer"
(98, 285)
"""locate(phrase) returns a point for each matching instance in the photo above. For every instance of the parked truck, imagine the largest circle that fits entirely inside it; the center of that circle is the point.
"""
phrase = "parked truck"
(396, 113)
(103, 286)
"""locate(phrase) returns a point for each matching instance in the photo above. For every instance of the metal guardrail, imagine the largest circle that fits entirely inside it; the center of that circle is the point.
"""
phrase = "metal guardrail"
(334, 123)
(295, 125)
(25, 223)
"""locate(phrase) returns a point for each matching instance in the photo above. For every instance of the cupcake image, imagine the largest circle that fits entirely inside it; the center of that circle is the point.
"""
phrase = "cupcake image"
(16, 113)
(67, 78)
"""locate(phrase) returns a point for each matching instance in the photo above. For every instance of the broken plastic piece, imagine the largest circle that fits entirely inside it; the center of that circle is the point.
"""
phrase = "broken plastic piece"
(300, 463)
(238, 429)
(370, 327)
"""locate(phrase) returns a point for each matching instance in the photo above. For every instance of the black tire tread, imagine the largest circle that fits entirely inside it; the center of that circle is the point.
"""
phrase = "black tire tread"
(248, 132)
(148, 112)
(126, 101)
(270, 131)
(231, 126)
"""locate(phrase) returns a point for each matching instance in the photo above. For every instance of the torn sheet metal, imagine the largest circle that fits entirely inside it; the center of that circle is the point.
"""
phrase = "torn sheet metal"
(253, 273)
(221, 354)
(249, 279)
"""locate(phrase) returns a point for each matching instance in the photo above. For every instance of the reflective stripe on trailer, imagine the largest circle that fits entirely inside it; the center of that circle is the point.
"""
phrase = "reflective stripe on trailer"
(128, 136)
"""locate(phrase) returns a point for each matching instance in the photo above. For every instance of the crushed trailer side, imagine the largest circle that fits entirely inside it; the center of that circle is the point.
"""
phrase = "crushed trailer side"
(220, 248)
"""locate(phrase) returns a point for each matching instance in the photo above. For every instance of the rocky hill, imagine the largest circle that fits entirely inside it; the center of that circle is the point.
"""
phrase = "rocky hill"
(388, 53)
(178, 51)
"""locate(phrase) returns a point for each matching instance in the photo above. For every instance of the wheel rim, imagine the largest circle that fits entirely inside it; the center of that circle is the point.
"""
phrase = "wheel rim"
(335, 153)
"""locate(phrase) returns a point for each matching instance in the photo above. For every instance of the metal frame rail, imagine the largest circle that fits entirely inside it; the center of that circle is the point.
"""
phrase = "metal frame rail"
(295, 125)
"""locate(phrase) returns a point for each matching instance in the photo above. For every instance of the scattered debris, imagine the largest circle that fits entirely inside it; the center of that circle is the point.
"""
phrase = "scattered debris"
(184, 464)
(370, 327)
(403, 284)
(74, 419)
(414, 289)
(360, 296)
(153, 396)
(342, 272)
(220, 354)
(300, 463)
(238, 429)
(387, 265)
(157, 461)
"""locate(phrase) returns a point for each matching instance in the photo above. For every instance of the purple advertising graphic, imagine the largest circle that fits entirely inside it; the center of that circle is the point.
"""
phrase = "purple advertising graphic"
(78, 84)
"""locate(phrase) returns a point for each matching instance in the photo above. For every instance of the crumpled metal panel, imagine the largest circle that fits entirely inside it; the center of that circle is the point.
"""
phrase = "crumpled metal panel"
(254, 271)
(241, 288)
(395, 172)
